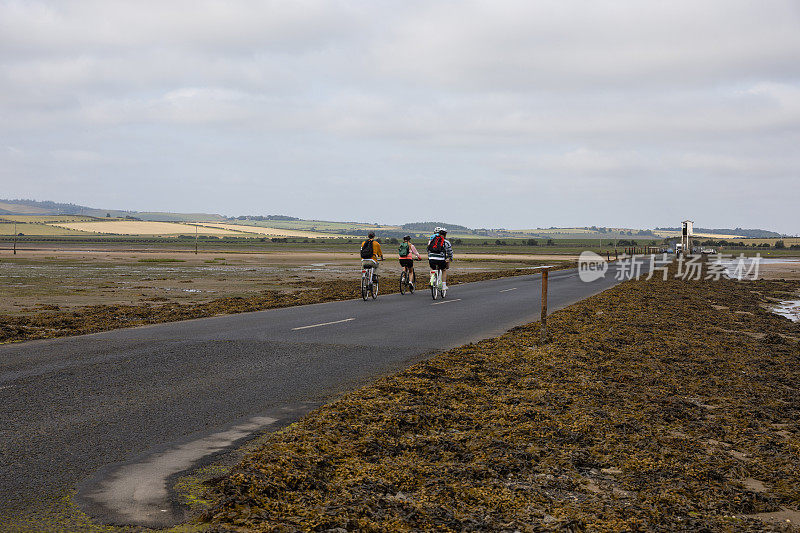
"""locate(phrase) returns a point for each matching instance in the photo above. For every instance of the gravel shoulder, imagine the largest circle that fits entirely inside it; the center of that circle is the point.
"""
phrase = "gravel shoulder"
(657, 406)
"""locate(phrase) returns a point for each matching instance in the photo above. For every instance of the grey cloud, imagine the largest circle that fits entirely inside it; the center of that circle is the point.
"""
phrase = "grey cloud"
(496, 106)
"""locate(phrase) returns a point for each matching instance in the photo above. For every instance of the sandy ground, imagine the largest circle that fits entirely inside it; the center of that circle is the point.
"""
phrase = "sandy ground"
(520, 257)
(787, 270)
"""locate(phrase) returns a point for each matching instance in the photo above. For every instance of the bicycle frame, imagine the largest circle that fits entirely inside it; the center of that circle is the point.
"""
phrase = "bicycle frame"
(368, 286)
(436, 289)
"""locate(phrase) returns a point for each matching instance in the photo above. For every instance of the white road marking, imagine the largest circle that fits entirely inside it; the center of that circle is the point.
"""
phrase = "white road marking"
(447, 301)
(506, 290)
(324, 324)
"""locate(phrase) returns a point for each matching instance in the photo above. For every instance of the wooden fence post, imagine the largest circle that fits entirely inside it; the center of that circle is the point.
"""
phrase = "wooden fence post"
(544, 305)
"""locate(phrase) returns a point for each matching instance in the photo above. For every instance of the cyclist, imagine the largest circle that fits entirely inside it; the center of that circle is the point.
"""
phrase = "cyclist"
(370, 253)
(440, 253)
(407, 259)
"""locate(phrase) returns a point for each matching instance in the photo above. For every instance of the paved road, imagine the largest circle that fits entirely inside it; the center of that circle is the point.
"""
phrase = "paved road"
(73, 406)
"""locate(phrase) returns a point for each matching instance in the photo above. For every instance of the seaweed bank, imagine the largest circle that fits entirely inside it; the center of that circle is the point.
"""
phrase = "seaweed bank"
(656, 406)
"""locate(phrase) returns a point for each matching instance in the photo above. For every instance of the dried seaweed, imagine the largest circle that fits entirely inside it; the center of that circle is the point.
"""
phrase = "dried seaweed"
(657, 406)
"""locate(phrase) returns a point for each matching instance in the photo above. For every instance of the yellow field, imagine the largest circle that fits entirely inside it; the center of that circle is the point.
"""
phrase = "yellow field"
(273, 232)
(37, 229)
(136, 227)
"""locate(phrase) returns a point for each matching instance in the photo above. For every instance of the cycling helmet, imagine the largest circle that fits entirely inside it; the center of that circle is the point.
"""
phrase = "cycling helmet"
(407, 238)
(442, 230)
(437, 229)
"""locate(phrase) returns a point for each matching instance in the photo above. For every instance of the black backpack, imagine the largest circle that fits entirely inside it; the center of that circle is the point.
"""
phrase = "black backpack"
(436, 245)
(366, 250)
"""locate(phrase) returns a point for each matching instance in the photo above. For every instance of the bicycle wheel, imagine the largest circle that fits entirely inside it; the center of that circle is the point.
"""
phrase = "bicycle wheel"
(434, 288)
(364, 286)
(374, 289)
(411, 286)
(403, 282)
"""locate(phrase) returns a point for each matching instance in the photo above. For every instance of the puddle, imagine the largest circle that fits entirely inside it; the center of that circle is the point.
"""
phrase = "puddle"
(746, 268)
(789, 309)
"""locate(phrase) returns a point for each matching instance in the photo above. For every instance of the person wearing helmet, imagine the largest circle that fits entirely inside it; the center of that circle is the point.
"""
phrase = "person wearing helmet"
(407, 258)
(440, 253)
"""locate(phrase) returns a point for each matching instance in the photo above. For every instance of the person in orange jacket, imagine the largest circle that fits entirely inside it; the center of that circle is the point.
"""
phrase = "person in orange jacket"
(370, 254)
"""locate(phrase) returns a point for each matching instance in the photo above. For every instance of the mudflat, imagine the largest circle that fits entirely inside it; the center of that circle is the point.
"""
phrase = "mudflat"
(781, 270)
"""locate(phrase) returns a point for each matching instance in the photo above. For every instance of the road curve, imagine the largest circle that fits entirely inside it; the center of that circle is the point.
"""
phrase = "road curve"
(76, 408)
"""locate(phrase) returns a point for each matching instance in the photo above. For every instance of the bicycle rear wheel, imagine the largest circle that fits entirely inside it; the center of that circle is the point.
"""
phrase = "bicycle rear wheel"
(404, 282)
(374, 289)
(434, 288)
(364, 286)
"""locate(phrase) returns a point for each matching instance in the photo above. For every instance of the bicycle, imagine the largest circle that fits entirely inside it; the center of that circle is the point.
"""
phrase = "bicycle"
(405, 284)
(436, 285)
(369, 286)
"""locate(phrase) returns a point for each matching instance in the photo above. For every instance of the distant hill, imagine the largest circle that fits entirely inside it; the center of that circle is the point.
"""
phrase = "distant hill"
(34, 207)
(429, 226)
(752, 233)
(260, 218)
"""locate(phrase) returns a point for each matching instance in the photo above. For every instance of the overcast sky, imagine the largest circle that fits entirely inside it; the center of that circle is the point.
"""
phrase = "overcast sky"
(514, 114)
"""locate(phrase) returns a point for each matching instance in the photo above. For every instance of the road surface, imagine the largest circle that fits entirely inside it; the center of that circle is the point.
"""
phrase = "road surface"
(114, 413)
